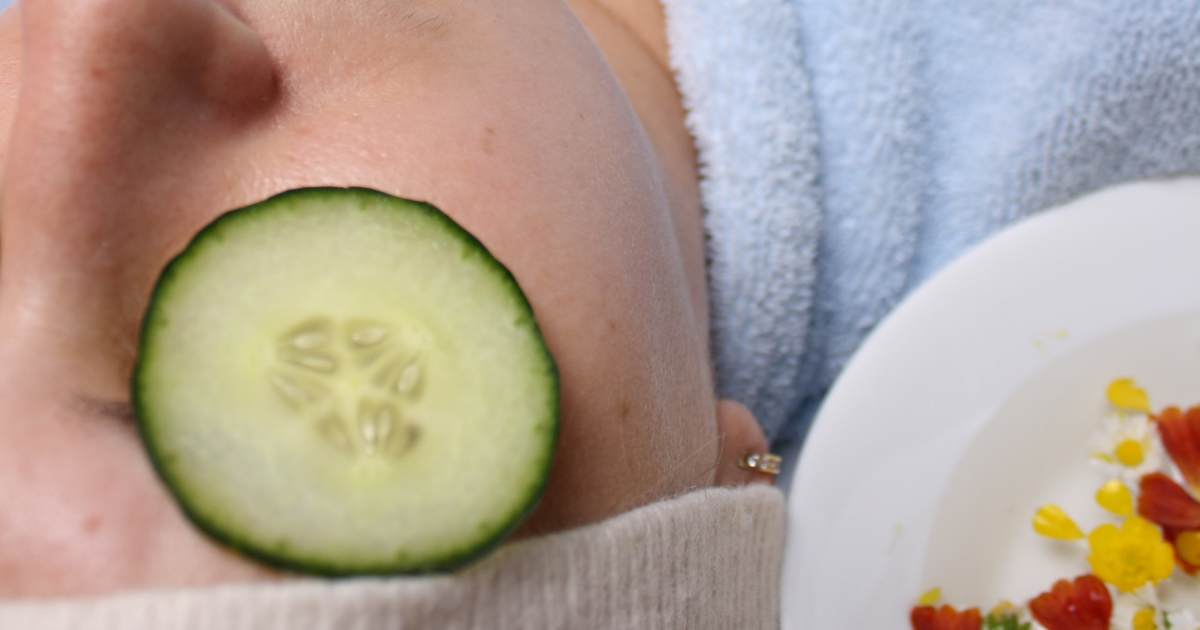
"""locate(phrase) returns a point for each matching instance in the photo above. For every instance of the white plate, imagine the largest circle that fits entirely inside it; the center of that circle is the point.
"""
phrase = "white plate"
(972, 403)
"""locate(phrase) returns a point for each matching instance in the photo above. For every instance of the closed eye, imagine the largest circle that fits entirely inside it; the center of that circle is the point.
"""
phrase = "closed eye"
(118, 410)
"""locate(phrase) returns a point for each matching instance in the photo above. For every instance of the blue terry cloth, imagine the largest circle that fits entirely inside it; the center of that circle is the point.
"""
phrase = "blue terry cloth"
(738, 67)
(851, 148)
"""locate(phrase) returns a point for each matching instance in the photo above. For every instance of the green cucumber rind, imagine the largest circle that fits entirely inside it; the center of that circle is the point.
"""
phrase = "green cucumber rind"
(215, 529)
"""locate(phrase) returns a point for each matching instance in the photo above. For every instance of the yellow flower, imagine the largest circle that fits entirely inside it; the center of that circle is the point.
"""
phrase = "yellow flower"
(1130, 556)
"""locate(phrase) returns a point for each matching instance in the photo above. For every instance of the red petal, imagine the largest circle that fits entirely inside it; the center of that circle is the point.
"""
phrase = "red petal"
(945, 618)
(1082, 605)
(1180, 431)
(1165, 502)
(1170, 533)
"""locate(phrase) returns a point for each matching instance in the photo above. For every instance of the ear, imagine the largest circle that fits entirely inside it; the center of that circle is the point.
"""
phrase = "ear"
(740, 434)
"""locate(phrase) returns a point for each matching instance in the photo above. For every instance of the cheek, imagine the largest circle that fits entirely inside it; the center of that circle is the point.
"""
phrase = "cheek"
(80, 509)
(77, 513)
(638, 421)
(580, 215)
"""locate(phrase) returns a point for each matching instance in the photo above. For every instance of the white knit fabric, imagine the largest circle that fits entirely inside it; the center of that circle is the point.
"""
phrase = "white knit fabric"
(706, 560)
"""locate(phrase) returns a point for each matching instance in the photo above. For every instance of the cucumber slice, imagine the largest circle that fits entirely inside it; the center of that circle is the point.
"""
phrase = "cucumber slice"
(339, 381)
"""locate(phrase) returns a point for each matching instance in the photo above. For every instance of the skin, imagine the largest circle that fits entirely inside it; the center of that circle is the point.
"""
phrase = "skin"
(551, 131)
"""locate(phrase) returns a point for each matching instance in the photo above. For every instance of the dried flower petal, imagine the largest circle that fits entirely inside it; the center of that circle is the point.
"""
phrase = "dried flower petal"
(1115, 497)
(1187, 548)
(945, 618)
(1125, 394)
(1051, 521)
(1187, 545)
(1165, 502)
(1180, 431)
(1080, 605)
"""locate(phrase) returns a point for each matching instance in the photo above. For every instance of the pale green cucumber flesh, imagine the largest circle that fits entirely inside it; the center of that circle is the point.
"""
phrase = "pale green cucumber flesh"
(340, 381)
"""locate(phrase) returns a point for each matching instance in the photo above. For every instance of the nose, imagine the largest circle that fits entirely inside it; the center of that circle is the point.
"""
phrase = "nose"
(123, 108)
(123, 105)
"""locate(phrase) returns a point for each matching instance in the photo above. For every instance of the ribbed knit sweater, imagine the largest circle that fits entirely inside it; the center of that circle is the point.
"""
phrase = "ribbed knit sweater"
(709, 559)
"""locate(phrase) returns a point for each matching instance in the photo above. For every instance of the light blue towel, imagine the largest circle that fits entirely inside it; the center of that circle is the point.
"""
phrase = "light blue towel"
(851, 148)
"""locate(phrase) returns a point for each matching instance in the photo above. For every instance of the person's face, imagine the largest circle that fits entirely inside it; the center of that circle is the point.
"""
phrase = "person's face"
(136, 122)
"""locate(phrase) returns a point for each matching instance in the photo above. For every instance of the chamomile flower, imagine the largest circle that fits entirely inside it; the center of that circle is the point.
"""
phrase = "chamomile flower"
(1128, 446)
(1138, 610)
(1182, 620)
